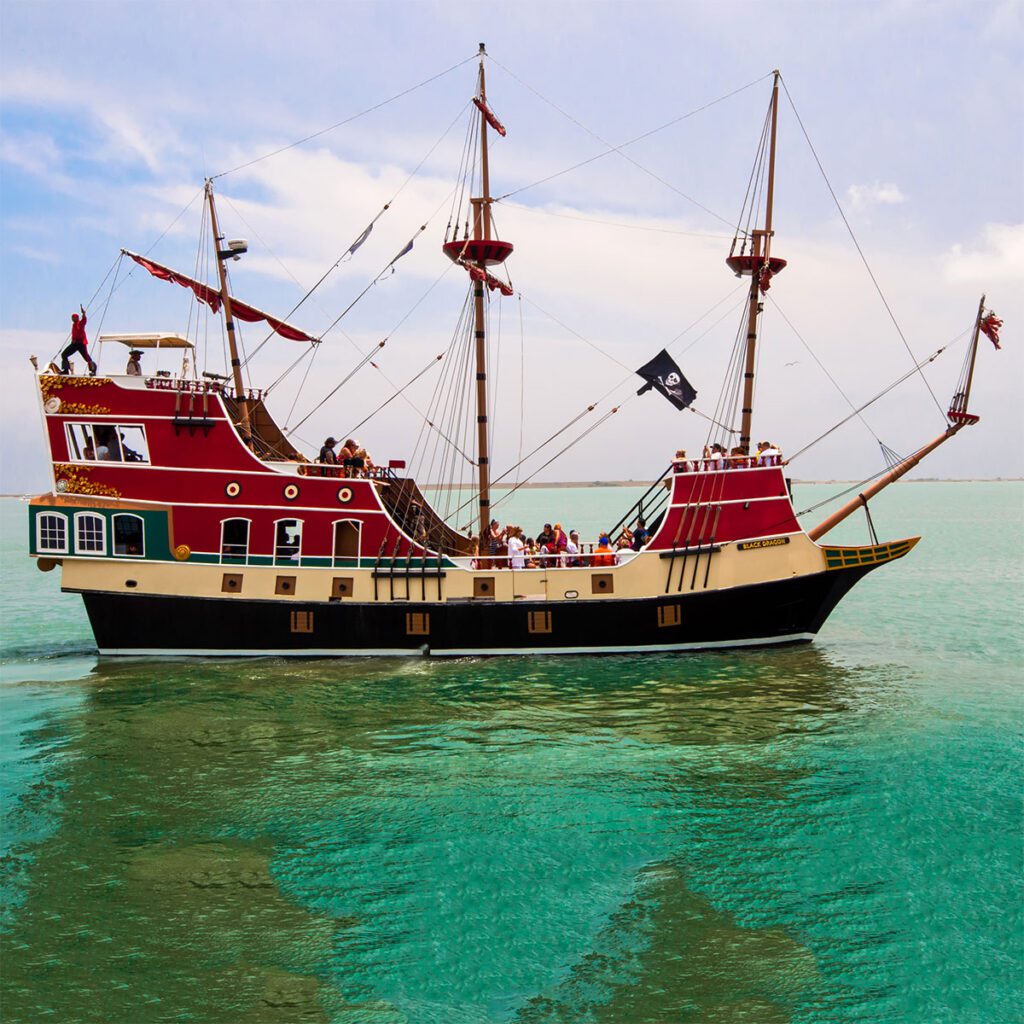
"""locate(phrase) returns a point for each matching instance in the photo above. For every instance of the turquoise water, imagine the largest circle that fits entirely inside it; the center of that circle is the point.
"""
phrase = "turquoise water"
(826, 833)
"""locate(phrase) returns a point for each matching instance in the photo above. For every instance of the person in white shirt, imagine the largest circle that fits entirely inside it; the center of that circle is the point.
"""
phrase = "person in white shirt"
(515, 548)
(572, 548)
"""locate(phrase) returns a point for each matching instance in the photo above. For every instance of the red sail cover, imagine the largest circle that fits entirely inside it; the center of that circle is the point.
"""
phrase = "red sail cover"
(489, 116)
(481, 275)
(212, 297)
(203, 292)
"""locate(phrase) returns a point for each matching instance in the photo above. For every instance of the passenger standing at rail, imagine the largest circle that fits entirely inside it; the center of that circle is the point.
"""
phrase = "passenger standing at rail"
(516, 560)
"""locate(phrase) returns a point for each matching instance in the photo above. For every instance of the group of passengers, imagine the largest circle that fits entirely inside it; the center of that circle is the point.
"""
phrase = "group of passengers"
(352, 459)
(717, 457)
(553, 547)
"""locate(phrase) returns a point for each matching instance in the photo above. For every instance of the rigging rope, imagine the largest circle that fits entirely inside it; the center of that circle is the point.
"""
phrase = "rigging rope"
(619, 148)
(357, 241)
(881, 394)
(616, 223)
(917, 366)
(347, 120)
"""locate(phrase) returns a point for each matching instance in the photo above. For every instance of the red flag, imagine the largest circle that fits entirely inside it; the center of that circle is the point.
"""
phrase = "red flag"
(990, 328)
(489, 116)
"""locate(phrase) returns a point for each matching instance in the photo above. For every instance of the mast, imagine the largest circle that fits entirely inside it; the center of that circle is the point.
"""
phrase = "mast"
(959, 417)
(236, 365)
(481, 233)
(973, 356)
(880, 484)
(759, 263)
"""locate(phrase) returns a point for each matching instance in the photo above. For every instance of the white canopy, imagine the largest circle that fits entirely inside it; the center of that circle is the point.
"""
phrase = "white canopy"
(149, 340)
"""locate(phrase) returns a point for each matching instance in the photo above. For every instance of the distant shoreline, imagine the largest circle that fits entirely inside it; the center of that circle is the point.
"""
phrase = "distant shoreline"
(647, 483)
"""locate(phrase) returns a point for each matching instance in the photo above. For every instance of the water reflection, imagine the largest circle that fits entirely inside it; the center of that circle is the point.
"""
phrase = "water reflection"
(514, 839)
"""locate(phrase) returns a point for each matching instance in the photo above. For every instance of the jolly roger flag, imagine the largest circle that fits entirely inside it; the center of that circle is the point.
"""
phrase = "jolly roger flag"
(662, 374)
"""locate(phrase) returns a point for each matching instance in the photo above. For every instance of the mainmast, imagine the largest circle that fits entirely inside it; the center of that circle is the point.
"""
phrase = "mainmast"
(481, 233)
(476, 254)
(761, 266)
(229, 322)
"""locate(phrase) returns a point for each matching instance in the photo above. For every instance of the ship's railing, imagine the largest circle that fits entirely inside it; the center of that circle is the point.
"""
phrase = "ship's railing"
(650, 504)
(585, 559)
(717, 463)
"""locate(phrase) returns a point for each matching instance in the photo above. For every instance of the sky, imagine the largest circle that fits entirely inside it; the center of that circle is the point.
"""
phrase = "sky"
(114, 113)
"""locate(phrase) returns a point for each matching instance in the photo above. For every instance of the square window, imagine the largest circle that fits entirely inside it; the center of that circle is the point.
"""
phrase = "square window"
(539, 622)
(302, 622)
(417, 623)
(669, 615)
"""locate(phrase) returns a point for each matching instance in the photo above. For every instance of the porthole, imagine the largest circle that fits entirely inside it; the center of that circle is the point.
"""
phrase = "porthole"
(571, 595)
(233, 489)
(291, 492)
(345, 495)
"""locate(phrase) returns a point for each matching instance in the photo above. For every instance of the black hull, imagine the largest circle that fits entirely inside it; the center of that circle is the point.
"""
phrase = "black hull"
(780, 612)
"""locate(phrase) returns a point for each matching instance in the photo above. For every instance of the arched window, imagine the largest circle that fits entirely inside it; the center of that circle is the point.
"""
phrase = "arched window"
(234, 541)
(346, 540)
(90, 534)
(52, 533)
(287, 541)
(129, 535)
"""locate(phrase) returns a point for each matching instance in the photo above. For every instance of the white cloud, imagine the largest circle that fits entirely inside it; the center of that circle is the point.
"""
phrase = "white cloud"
(997, 258)
(877, 194)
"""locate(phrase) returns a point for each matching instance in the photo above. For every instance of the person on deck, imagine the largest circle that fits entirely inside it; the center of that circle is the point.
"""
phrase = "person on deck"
(559, 543)
(544, 537)
(572, 549)
(327, 456)
(134, 367)
(640, 535)
(516, 547)
(495, 535)
(347, 453)
(79, 344)
(89, 450)
(604, 554)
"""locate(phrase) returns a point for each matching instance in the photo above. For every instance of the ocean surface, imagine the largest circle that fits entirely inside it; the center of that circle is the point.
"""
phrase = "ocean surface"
(824, 833)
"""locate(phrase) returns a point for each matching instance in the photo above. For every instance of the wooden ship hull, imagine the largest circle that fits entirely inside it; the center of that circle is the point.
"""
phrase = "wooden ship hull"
(324, 564)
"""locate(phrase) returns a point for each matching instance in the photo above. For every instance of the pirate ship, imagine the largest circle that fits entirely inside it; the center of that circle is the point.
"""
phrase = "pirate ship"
(202, 529)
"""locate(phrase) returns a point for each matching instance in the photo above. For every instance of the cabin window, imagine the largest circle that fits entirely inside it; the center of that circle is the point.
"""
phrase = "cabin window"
(90, 534)
(133, 443)
(346, 540)
(129, 535)
(287, 540)
(52, 532)
(234, 540)
(107, 442)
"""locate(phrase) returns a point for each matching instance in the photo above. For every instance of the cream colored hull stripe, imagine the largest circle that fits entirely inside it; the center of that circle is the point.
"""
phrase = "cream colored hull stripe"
(331, 652)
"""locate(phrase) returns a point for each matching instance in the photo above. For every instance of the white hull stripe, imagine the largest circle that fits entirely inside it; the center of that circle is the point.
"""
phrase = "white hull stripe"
(384, 652)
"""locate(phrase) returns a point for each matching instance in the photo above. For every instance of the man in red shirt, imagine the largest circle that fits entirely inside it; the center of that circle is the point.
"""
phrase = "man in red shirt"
(79, 344)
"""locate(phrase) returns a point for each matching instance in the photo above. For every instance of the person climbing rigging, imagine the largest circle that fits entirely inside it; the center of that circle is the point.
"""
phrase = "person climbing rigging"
(79, 344)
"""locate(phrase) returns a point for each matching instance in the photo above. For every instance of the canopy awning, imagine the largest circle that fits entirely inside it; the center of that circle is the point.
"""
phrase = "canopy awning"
(149, 340)
(212, 297)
